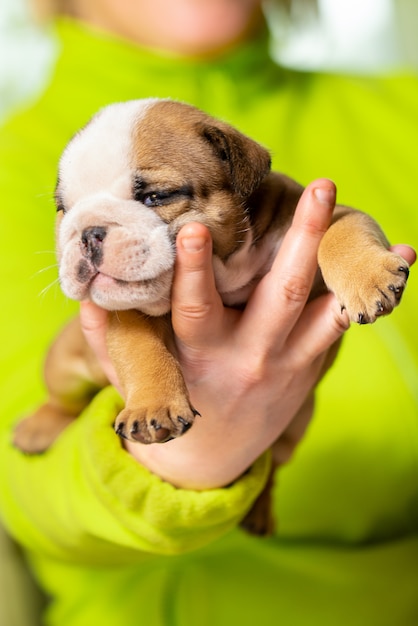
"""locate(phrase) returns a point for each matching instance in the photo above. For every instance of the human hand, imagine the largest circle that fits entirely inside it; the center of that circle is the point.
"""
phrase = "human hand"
(248, 371)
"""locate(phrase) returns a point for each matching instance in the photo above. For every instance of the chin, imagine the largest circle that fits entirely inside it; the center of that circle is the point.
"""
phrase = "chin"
(204, 27)
(125, 297)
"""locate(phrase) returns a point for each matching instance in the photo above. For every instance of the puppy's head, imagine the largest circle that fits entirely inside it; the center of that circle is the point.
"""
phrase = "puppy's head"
(130, 180)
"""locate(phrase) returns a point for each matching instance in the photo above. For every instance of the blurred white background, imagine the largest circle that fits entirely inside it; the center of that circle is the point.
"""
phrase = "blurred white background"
(348, 35)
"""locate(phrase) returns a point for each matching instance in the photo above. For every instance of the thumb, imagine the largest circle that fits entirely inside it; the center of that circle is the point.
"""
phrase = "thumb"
(197, 310)
(93, 322)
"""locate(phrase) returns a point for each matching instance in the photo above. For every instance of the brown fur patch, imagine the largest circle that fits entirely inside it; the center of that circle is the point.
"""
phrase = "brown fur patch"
(166, 159)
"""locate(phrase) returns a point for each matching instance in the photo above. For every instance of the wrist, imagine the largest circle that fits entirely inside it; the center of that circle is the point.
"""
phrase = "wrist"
(196, 461)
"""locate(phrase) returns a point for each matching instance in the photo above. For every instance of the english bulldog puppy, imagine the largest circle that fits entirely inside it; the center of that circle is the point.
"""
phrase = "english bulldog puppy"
(127, 183)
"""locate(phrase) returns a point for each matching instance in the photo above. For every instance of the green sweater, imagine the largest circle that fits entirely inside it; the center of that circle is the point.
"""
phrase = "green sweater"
(110, 542)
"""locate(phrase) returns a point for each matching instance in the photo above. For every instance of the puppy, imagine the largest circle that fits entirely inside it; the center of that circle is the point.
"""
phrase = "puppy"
(128, 182)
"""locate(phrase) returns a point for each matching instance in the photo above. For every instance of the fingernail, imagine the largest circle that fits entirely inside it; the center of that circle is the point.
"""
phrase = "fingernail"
(193, 244)
(325, 196)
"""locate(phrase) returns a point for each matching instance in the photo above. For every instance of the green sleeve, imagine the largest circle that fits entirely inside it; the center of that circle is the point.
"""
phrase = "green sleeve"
(87, 499)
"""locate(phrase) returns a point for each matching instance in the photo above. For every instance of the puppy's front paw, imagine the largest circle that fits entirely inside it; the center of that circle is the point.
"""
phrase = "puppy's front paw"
(375, 289)
(156, 424)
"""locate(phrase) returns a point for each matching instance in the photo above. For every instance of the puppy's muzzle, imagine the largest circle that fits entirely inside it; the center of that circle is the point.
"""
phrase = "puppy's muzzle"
(92, 243)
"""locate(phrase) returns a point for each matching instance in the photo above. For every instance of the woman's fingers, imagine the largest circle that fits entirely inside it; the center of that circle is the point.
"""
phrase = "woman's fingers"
(199, 318)
(94, 326)
(320, 325)
(93, 323)
(406, 252)
(281, 296)
(197, 310)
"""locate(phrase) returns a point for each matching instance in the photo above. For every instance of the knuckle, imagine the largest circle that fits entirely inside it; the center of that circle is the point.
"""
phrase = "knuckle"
(313, 229)
(295, 289)
(256, 370)
(193, 311)
(340, 322)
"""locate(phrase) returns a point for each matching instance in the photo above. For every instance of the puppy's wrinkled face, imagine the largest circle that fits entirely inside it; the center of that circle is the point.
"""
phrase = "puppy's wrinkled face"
(130, 180)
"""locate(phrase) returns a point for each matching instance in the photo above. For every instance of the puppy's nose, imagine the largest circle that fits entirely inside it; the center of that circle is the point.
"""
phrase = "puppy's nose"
(92, 239)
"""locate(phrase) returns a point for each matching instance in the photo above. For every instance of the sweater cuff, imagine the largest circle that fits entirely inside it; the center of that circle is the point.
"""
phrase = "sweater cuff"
(163, 518)
(86, 499)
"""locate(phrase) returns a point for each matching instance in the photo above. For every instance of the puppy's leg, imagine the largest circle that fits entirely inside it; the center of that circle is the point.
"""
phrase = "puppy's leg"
(260, 520)
(73, 376)
(367, 279)
(157, 401)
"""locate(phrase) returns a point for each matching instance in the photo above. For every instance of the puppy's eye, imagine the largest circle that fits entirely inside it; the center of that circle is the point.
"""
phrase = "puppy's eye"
(61, 207)
(155, 198)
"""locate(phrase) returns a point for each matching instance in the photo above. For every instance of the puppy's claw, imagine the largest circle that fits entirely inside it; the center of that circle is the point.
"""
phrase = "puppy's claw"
(361, 319)
(380, 309)
(164, 425)
(397, 292)
(161, 434)
(405, 269)
(186, 425)
(120, 430)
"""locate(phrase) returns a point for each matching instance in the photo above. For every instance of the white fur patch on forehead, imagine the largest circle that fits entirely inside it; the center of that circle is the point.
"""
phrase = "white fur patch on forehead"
(98, 158)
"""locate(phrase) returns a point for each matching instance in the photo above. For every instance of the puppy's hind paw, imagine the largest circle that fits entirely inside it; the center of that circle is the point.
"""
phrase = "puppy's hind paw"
(37, 433)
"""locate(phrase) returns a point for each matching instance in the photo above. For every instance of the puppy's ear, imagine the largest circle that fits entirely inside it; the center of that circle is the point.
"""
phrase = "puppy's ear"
(248, 163)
